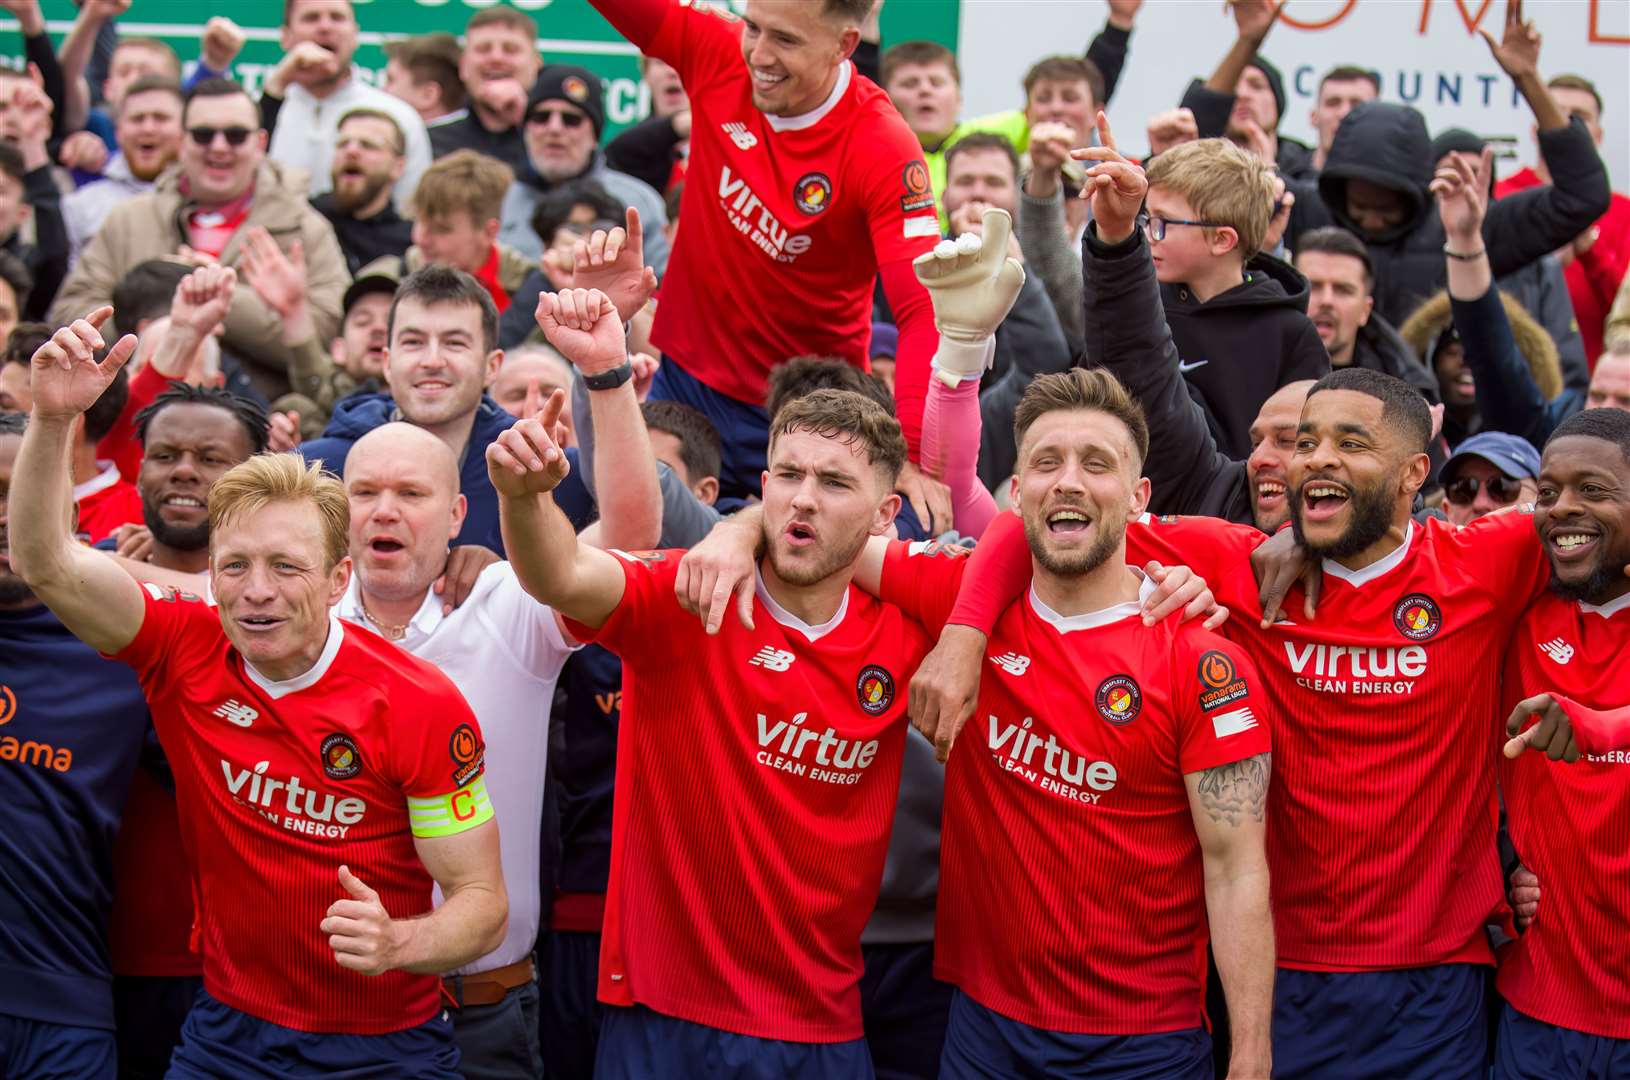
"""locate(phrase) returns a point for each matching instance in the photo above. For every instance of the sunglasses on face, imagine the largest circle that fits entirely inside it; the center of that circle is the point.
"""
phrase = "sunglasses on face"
(567, 119)
(205, 136)
(1462, 490)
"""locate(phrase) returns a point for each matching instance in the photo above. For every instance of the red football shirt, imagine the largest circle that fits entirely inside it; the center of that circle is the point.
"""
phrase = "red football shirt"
(1571, 825)
(1382, 812)
(1072, 888)
(786, 220)
(277, 784)
(105, 502)
(756, 781)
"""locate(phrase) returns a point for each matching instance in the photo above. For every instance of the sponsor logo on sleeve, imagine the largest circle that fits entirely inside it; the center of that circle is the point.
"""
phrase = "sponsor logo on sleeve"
(467, 753)
(919, 191)
(169, 594)
(340, 756)
(1417, 617)
(649, 558)
(1219, 681)
(1119, 699)
(874, 689)
(937, 547)
(926, 226)
(813, 193)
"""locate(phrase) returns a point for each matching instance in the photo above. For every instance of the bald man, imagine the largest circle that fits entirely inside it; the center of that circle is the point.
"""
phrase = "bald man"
(504, 650)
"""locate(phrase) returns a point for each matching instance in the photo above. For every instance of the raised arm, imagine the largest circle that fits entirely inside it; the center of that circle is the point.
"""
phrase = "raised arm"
(584, 326)
(469, 923)
(1529, 224)
(75, 57)
(972, 283)
(1212, 100)
(1506, 392)
(636, 20)
(1229, 807)
(525, 465)
(92, 596)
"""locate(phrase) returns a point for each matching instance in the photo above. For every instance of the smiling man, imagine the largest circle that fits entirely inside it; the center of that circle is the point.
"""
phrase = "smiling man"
(300, 749)
(149, 134)
(1562, 981)
(805, 189)
(224, 188)
(1376, 678)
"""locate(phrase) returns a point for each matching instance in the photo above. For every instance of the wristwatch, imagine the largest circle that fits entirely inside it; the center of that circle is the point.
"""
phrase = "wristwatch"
(610, 380)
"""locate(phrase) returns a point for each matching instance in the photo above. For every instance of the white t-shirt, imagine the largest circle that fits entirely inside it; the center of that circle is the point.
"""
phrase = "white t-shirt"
(504, 652)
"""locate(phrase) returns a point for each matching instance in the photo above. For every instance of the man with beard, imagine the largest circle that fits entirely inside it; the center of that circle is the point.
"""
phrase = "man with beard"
(1563, 979)
(190, 437)
(149, 134)
(67, 751)
(565, 115)
(1379, 900)
(683, 961)
(368, 160)
(315, 85)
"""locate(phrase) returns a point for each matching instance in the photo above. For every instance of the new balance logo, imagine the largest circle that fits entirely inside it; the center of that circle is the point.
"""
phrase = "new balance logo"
(744, 139)
(233, 713)
(1557, 650)
(772, 659)
(1012, 663)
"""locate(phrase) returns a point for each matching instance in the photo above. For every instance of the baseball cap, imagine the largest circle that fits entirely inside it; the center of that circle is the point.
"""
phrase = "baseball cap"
(1512, 455)
(373, 278)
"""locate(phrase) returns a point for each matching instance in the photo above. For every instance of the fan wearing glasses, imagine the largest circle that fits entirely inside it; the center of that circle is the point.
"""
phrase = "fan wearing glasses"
(225, 191)
(1489, 471)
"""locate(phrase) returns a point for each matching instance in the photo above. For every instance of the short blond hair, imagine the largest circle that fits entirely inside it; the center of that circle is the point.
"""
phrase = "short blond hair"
(463, 180)
(1221, 183)
(273, 478)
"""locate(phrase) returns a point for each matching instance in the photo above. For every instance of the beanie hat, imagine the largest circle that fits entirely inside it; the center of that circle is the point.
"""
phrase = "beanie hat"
(1456, 140)
(579, 86)
(1276, 83)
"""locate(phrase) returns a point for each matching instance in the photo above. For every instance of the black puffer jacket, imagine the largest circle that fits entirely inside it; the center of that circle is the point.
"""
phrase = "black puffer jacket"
(1381, 348)
(1241, 345)
(1387, 145)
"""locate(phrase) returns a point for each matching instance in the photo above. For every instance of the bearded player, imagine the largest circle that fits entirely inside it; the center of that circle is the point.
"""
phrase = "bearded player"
(324, 778)
(1568, 809)
(805, 187)
(1379, 901)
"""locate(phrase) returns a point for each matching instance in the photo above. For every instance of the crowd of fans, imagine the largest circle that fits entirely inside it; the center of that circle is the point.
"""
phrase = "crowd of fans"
(464, 301)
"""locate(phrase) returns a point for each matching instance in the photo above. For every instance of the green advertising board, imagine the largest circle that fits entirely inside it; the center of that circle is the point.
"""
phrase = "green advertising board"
(569, 31)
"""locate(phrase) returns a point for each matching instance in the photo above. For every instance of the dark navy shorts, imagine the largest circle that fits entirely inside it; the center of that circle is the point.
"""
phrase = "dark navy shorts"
(981, 1044)
(571, 1014)
(1387, 1025)
(744, 430)
(41, 1050)
(220, 1041)
(638, 1044)
(1529, 1049)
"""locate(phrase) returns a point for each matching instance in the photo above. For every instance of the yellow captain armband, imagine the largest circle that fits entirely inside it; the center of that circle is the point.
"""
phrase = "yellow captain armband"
(457, 811)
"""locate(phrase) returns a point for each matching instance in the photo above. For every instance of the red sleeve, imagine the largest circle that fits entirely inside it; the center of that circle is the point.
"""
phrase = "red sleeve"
(636, 20)
(1598, 731)
(159, 645)
(641, 615)
(1502, 550)
(997, 575)
(921, 579)
(1216, 550)
(449, 753)
(119, 445)
(919, 340)
(1606, 262)
(1222, 707)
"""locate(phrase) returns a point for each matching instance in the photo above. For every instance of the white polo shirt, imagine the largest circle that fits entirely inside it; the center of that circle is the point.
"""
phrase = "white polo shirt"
(504, 652)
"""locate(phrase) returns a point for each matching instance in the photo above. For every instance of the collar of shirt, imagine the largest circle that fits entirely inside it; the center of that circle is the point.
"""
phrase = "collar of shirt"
(279, 688)
(421, 626)
(1065, 624)
(100, 482)
(1379, 568)
(846, 75)
(1607, 610)
(791, 621)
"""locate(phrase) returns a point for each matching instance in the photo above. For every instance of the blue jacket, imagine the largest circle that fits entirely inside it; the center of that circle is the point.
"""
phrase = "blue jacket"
(359, 414)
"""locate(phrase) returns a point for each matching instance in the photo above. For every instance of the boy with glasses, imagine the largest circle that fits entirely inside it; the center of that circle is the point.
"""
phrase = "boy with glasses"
(1238, 315)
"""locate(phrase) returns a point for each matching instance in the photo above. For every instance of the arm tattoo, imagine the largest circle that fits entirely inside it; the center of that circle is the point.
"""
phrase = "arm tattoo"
(1239, 790)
